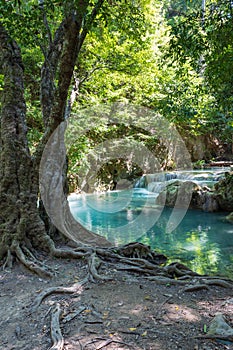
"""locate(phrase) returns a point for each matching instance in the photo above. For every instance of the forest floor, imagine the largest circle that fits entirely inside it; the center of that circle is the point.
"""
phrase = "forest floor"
(128, 312)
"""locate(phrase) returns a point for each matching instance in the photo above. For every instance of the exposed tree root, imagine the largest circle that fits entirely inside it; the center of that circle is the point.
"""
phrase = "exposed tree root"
(141, 270)
(173, 274)
(191, 288)
(93, 264)
(30, 264)
(179, 270)
(23, 253)
(56, 335)
(142, 263)
(133, 252)
(218, 282)
(73, 314)
(215, 337)
(58, 290)
(76, 253)
(209, 282)
(196, 288)
(165, 280)
(221, 278)
(9, 261)
(138, 251)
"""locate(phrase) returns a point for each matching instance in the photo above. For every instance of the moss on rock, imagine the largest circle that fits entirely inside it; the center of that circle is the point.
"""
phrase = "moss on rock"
(224, 192)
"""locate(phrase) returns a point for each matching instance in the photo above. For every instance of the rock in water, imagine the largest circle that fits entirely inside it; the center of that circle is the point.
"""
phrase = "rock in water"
(223, 191)
(183, 194)
(229, 218)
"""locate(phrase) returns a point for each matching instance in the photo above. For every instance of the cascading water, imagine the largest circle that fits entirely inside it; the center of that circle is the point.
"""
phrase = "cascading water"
(156, 182)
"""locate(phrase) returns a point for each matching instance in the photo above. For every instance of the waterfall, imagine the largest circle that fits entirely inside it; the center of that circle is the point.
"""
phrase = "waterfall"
(158, 181)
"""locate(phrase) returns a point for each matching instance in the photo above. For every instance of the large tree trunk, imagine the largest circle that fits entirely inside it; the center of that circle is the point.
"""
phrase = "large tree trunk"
(18, 212)
(21, 228)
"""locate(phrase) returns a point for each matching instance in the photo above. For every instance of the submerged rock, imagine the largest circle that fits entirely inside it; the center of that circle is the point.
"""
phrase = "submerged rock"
(229, 218)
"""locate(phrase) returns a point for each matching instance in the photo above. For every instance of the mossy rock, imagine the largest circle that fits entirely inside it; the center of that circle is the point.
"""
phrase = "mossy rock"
(224, 192)
(188, 194)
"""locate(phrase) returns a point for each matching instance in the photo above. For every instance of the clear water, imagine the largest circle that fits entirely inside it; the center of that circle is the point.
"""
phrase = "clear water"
(202, 240)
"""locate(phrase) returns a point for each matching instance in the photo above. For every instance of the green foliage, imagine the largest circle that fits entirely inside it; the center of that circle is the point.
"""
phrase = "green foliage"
(27, 14)
(162, 55)
(205, 40)
(120, 63)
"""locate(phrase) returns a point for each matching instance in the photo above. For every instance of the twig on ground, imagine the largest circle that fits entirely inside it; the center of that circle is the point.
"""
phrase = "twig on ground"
(73, 314)
(162, 304)
(106, 342)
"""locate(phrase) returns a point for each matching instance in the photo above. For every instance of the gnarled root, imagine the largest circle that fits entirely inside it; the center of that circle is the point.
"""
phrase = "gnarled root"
(9, 261)
(173, 274)
(219, 282)
(31, 265)
(165, 280)
(56, 335)
(206, 282)
(76, 253)
(179, 270)
(25, 257)
(195, 288)
(58, 290)
(93, 264)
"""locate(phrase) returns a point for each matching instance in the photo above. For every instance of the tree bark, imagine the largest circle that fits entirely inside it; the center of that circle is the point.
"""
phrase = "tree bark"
(18, 212)
(21, 228)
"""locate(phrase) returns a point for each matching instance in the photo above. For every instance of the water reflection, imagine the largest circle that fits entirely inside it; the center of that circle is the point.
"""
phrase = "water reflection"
(202, 240)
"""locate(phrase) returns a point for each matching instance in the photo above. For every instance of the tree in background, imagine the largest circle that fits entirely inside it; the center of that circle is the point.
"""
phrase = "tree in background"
(202, 36)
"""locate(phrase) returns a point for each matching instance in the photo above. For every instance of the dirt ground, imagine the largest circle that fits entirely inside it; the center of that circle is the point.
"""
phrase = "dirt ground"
(128, 312)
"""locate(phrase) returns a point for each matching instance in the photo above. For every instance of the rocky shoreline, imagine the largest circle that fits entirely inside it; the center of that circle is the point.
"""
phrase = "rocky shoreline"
(188, 193)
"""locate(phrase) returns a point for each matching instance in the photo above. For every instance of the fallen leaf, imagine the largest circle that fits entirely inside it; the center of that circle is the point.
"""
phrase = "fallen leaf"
(105, 314)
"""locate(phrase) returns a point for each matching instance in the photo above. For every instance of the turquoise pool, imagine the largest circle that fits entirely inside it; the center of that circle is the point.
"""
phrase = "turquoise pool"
(203, 241)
